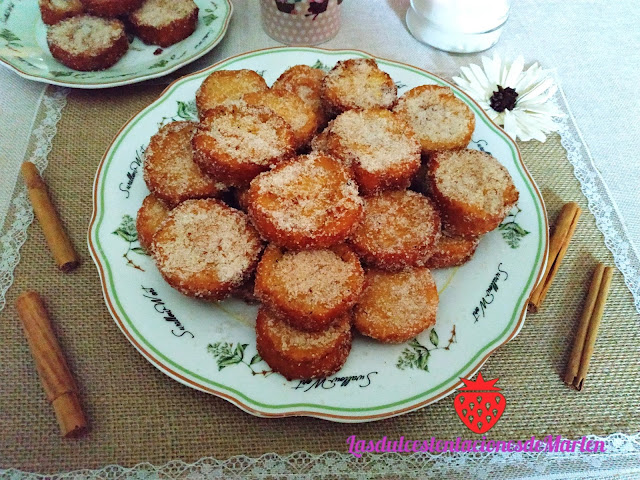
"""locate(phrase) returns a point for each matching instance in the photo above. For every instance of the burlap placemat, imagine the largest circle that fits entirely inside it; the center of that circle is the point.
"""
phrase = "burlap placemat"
(138, 414)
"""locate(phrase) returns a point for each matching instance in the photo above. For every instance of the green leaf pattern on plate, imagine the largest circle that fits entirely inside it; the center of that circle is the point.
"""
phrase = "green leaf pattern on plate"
(209, 16)
(159, 63)
(321, 66)
(127, 231)
(228, 354)
(186, 111)
(511, 231)
(417, 355)
(11, 40)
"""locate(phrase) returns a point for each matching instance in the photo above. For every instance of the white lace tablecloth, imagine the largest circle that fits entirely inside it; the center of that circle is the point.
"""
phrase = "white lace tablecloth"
(593, 48)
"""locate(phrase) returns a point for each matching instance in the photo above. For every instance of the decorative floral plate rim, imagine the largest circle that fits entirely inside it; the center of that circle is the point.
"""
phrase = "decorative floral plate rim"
(15, 55)
(341, 414)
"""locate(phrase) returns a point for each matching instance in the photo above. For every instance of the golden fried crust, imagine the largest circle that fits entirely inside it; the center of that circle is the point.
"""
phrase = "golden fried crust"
(236, 143)
(396, 306)
(227, 85)
(473, 191)
(110, 8)
(300, 117)
(53, 13)
(306, 82)
(381, 148)
(452, 251)
(440, 120)
(206, 249)
(399, 230)
(179, 21)
(169, 169)
(83, 57)
(150, 216)
(308, 289)
(301, 355)
(357, 84)
(311, 202)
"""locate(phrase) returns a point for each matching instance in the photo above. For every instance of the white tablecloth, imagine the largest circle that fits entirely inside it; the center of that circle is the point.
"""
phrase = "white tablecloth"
(19, 100)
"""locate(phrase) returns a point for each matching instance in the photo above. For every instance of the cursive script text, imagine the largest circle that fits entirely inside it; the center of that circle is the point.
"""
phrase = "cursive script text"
(361, 381)
(489, 295)
(159, 306)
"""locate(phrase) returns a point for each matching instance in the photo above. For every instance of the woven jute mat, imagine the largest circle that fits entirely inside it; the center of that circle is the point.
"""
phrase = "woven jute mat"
(137, 414)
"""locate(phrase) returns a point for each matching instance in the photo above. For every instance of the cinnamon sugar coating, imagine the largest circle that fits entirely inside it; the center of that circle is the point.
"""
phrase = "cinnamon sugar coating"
(297, 354)
(164, 22)
(399, 229)
(150, 216)
(357, 83)
(396, 306)
(311, 202)
(473, 191)
(169, 169)
(236, 143)
(87, 43)
(440, 120)
(226, 86)
(310, 288)
(206, 249)
(452, 251)
(380, 148)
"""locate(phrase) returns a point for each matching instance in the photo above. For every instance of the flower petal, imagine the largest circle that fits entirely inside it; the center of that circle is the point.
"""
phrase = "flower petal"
(492, 69)
(511, 126)
(538, 89)
(514, 73)
(481, 78)
(535, 113)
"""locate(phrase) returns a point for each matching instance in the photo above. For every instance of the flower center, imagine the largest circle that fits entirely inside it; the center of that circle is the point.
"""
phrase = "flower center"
(503, 99)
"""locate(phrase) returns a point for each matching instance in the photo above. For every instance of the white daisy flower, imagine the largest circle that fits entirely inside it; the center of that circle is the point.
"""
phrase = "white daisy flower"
(514, 98)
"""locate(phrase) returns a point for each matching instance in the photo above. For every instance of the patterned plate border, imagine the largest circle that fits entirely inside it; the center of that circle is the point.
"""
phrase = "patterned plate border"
(140, 78)
(257, 408)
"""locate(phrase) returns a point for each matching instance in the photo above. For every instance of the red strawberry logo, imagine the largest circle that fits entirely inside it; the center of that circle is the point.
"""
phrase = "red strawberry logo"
(479, 405)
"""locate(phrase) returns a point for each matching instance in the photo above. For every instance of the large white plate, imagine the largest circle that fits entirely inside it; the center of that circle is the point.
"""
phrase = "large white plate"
(23, 48)
(211, 346)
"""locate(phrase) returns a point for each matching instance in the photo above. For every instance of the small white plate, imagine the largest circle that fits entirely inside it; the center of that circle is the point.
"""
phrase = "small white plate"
(23, 48)
(211, 346)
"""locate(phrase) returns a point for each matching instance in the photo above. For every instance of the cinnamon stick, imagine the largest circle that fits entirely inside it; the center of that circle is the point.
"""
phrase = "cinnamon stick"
(61, 248)
(565, 227)
(588, 327)
(54, 373)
